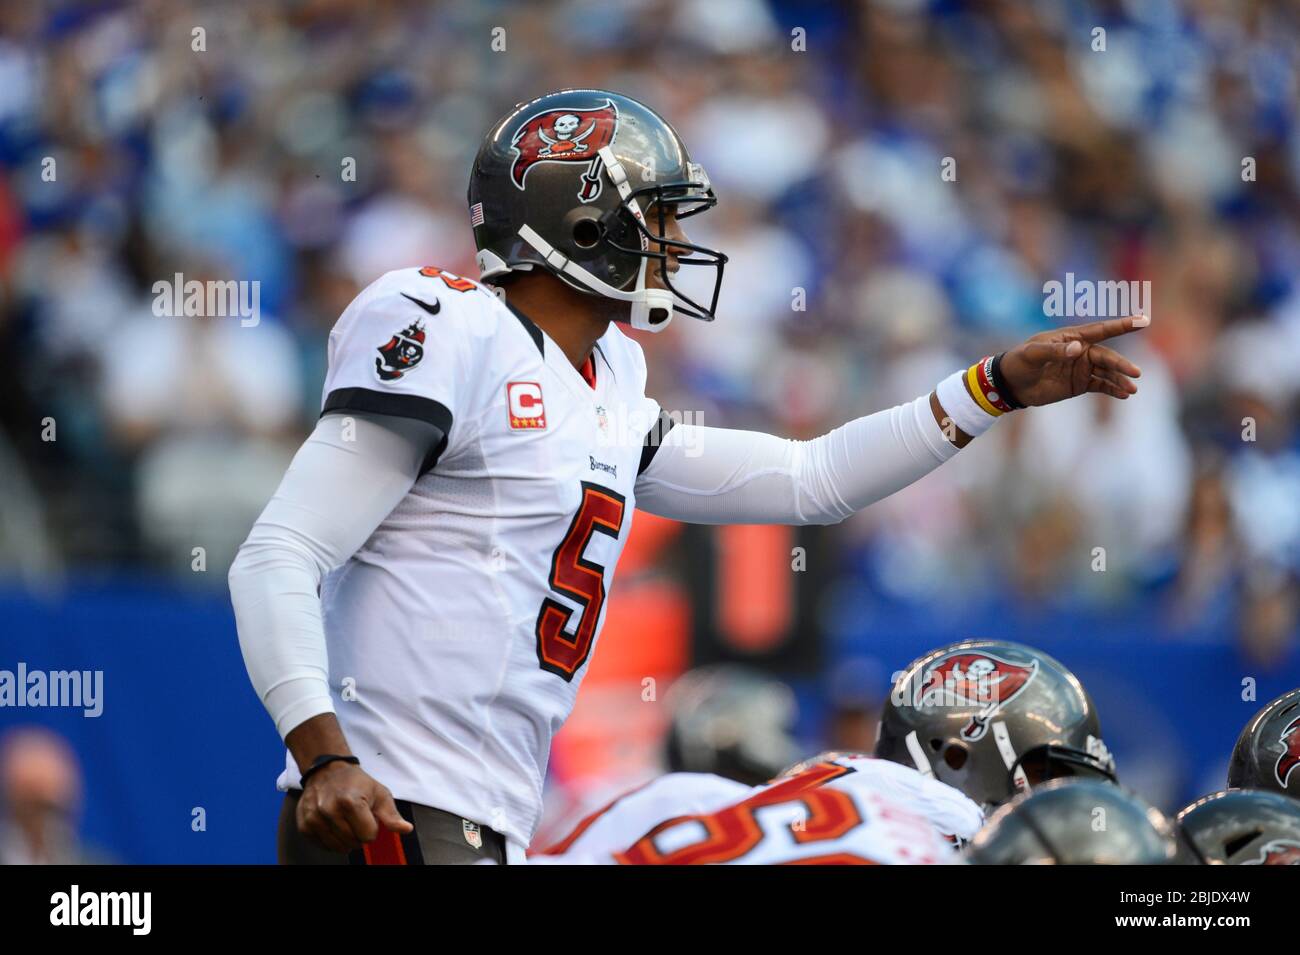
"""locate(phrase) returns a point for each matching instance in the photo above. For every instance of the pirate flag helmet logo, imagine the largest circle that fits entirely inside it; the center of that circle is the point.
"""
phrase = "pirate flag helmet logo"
(401, 353)
(1289, 758)
(978, 679)
(566, 135)
(1277, 852)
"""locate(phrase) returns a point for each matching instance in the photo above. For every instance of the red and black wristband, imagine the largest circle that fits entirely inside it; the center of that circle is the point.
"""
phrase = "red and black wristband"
(1000, 383)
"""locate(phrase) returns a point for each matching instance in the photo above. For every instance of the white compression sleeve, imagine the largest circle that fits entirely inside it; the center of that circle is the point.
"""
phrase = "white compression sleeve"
(340, 486)
(718, 476)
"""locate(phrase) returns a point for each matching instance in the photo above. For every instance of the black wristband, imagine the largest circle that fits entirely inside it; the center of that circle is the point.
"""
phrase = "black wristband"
(320, 762)
(1001, 385)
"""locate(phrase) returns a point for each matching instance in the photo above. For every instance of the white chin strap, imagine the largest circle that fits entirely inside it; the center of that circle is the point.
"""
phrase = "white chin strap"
(1002, 739)
(651, 308)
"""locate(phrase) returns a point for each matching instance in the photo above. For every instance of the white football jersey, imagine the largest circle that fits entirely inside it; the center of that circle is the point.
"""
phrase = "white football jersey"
(952, 813)
(847, 810)
(459, 632)
(623, 820)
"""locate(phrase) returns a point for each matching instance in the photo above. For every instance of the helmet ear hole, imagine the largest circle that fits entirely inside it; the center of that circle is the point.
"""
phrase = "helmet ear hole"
(955, 756)
(587, 233)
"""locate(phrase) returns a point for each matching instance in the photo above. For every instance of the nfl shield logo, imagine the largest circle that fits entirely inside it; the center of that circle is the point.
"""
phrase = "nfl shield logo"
(473, 834)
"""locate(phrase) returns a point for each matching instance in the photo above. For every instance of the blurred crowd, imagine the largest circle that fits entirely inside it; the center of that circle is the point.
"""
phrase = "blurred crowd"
(213, 140)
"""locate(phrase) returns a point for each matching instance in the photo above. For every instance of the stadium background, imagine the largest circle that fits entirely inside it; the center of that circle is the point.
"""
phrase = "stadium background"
(225, 164)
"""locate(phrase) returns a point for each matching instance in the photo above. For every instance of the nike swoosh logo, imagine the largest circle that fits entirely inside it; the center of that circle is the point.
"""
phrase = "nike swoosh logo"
(431, 309)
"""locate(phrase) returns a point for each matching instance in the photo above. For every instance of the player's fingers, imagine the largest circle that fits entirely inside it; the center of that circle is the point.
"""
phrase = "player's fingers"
(1110, 327)
(1040, 353)
(385, 811)
(1120, 381)
(323, 835)
(334, 813)
(355, 812)
(1111, 360)
(1102, 386)
(328, 833)
(313, 824)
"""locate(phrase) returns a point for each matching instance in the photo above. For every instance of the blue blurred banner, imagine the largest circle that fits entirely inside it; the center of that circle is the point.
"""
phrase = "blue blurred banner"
(181, 729)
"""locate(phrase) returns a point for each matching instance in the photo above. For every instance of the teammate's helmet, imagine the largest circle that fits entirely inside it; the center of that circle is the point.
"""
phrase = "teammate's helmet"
(1242, 827)
(1267, 754)
(1076, 822)
(574, 183)
(992, 719)
(730, 721)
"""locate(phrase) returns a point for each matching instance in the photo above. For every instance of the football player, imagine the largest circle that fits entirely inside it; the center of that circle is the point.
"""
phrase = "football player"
(420, 599)
(1057, 824)
(992, 718)
(951, 813)
(833, 809)
(1242, 827)
(623, 820)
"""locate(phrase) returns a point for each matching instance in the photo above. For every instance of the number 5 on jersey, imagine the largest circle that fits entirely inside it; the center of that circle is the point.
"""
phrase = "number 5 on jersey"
(580, 579)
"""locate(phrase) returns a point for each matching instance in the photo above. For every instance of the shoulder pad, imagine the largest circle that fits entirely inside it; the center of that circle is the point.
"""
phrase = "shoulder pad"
(432, 295)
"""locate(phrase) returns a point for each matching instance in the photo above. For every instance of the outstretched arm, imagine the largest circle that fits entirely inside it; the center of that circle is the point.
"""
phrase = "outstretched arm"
(719, 476)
